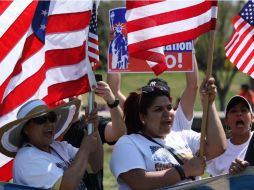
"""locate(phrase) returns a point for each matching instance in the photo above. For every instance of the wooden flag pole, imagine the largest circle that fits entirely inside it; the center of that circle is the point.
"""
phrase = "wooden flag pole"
(206, 98)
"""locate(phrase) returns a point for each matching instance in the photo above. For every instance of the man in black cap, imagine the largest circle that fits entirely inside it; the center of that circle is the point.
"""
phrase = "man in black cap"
(238, 118)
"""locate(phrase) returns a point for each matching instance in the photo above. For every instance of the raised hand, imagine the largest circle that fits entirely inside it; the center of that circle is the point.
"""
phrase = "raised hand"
(209, 88)
(103, 90)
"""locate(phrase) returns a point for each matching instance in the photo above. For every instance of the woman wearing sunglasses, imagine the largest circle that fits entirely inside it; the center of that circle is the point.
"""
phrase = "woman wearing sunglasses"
(152, 155)
(41, 161)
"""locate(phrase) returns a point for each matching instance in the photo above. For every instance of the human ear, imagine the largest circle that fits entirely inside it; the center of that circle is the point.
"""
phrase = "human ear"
(142, 118)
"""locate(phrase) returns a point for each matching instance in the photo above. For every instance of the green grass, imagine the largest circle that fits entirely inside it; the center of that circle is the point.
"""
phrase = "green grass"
(131, 82)
(109, 181)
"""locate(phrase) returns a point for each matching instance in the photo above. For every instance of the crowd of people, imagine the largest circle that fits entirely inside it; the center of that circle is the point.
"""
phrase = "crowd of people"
(154, 145)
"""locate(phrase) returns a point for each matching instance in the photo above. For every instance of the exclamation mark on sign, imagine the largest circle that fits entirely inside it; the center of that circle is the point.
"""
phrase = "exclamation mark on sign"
(180, 60)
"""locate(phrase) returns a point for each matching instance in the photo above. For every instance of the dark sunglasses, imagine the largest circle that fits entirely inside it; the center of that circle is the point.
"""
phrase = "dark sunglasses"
(51, 117)
(148, 89)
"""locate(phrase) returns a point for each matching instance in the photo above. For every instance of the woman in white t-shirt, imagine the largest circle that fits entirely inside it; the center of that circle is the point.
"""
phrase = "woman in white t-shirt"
(41, 161)
(239, 118)
(152, 155)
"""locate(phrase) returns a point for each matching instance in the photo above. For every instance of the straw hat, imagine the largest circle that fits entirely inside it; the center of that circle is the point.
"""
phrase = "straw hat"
(10, 134)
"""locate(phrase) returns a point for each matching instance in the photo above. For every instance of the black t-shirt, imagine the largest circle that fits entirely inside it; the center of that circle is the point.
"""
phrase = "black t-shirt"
(76, 132)
(250, 152)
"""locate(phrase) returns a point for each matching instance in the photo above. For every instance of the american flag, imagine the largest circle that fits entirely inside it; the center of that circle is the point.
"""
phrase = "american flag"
(240, 48)
(42, 52)
(152, 24)
(93, 48)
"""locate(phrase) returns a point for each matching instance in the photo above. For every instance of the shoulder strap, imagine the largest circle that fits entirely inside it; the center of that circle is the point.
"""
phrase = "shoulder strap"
(60, 155)
(171, 152)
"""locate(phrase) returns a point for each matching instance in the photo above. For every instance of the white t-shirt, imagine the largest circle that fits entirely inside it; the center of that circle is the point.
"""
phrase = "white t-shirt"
(37, 168)
(135, 151)
(180, 121)
(220, 165)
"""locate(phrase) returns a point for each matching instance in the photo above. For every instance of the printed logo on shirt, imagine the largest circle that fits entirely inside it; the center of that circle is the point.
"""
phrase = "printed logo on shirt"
(64, 165)
(61, 165)
(162, 158)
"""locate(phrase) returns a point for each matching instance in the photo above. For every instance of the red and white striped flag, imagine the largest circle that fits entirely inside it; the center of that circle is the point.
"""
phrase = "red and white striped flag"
(240, 48)
(152, 24)
(93, 43)
(42, 52)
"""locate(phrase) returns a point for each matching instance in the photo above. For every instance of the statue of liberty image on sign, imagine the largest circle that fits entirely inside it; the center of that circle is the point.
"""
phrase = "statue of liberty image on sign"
(118, 52)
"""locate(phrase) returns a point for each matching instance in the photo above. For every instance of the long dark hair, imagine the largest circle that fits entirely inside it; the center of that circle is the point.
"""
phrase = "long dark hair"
(139, 103)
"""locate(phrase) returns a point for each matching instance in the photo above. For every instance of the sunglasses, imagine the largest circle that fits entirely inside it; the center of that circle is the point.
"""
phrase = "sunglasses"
(51, 117)
(148, 89)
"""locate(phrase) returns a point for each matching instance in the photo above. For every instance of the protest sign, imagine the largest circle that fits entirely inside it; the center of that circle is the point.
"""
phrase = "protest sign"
(178, 56)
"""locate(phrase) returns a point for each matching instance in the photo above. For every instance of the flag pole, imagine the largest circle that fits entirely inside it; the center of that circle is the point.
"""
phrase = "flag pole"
(92, 83)
(206, 98)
